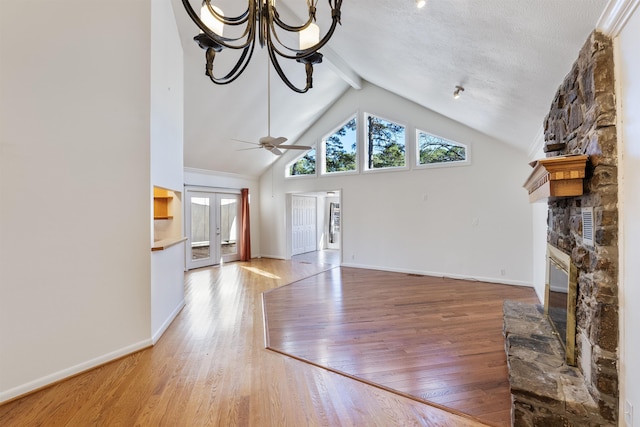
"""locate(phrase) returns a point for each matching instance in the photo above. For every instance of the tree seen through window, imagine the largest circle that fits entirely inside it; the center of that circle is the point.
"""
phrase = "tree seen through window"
(385, 144)
(340, 149)
(433, 149)
(306, 165)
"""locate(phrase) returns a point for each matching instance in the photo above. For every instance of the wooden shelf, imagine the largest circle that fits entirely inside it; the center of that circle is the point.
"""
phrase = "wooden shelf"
(161, 200)
(556, 177)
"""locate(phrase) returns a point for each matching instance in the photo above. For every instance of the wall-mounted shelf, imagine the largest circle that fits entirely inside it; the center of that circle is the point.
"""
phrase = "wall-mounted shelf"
(556, 177)
(161, 200)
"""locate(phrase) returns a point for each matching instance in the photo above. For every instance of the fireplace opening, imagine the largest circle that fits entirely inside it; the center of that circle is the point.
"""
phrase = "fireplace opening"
(560, 299)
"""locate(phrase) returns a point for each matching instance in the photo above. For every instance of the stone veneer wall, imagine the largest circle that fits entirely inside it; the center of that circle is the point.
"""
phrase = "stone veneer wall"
(582, 120)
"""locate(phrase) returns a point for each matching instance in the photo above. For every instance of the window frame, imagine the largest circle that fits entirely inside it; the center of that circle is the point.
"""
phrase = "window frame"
(323, 149)
(365, 145)
(455, 163)
(287, 168)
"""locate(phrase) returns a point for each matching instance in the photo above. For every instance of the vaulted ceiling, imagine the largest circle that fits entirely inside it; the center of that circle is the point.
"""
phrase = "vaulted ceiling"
(510, 56)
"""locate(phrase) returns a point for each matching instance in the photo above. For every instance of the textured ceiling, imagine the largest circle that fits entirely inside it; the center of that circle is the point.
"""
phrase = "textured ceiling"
(510, 55)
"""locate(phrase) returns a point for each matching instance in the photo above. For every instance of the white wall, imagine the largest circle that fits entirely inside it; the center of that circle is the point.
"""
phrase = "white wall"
(167, 94)
(419, 220)
(539, 212)
(628, 78)
(74, 187)
(220, 180)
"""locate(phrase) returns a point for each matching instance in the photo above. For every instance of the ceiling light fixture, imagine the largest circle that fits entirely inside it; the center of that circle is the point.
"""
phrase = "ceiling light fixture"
(456, 93)
(261, 21)
(420, 3)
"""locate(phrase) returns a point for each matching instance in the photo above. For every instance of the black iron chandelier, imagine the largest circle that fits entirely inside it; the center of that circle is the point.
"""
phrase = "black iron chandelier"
(261, 20)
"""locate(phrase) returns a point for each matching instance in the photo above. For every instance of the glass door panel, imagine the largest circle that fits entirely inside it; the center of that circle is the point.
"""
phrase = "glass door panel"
(200, 230)
(202, 250)
(229, 226)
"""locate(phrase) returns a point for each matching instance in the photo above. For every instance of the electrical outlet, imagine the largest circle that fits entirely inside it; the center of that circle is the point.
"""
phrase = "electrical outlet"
(353, 256)
(503, 272)
(628, 413)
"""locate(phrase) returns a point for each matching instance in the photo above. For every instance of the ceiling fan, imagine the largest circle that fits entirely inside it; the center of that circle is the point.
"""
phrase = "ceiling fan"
(273, 144)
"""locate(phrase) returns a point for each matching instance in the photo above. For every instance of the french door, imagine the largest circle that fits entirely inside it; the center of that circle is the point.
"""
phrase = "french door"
(213, 228)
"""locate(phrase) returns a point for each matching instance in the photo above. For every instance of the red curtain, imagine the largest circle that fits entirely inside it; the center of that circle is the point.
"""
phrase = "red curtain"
(245, 238)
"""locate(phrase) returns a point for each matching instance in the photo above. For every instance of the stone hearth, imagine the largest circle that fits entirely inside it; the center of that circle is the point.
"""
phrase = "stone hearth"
(545, 391)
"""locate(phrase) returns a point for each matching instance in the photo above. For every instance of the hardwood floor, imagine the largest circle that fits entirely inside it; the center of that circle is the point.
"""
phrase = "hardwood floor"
(211, 368)
(437, 340)
(326, 256)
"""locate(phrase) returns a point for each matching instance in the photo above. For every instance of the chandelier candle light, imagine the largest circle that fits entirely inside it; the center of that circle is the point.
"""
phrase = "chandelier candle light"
(261, 21)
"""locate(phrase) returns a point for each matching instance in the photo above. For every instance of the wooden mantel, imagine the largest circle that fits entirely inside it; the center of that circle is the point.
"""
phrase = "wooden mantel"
(556, 177)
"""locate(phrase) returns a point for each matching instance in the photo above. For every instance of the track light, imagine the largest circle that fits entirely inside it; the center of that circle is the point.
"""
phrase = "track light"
(420, 3)
(456, 93)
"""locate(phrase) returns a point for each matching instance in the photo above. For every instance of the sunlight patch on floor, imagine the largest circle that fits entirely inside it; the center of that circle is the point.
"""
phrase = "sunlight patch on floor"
(261, 272)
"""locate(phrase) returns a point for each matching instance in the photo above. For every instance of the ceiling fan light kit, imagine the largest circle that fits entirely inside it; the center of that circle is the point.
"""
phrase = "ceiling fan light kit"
(261, 21)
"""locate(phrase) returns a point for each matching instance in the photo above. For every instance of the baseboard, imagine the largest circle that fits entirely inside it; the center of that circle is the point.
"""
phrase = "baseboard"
(497, 280)
(162, 329)
(272, 256)
(50, 379)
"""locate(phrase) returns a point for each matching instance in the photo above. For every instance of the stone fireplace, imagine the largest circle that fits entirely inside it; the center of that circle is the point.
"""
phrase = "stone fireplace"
(582, 121)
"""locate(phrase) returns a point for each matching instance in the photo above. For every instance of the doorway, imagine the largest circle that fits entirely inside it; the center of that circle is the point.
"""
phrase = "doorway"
(313, 225)
(212, 224)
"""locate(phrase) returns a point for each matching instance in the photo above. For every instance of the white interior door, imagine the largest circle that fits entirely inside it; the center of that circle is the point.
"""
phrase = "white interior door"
(303, 224)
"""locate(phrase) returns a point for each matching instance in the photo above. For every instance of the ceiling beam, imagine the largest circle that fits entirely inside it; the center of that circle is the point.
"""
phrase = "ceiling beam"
(341, 68)
(335, 61)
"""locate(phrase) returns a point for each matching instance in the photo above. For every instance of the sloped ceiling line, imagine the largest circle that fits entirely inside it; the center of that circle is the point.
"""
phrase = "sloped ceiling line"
(512, 54)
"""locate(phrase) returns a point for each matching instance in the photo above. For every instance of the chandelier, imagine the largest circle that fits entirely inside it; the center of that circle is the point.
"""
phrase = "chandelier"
(261, 20)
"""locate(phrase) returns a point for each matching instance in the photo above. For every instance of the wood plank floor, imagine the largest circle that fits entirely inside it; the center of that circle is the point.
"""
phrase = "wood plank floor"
(211, 368)
(437, 340)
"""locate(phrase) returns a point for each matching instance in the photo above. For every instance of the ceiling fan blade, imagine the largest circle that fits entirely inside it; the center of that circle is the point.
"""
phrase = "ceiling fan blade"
(270, 140)
(245, 149)
(246, 142)
(279, 140)
(295, 147)
(275, 151)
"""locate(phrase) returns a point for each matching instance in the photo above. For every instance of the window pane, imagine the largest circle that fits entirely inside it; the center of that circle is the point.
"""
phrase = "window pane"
(433, 149)
(306, 165)
(228, 225)
(200, 248)
(385, 144)
(340, 149)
